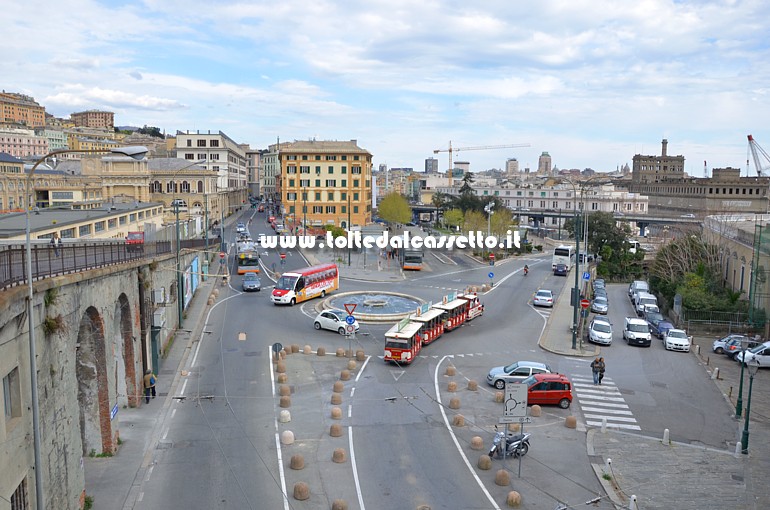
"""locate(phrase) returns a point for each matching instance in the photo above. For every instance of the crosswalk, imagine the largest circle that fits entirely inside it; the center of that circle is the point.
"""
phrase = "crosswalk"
(602, 402)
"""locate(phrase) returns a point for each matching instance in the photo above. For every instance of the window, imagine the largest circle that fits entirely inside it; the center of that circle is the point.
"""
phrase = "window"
(304, 169)
(12, 395)
(331, 169)
(214, 143)
(331, 209)
(355, 170)
(355, 209)
(189, 156)
(68, 233)
(291, 196)
(344, 169)
(185, 187)
(331, 158)
(330, 195)
(141, 215)
(200, 186)
(331, 183)
(121, 221)
(132, 217)
(304, 183)
(201, 143)
(355, 196)
(291, 183)
(99, 226)
(291, 157)
(20, 497)
(304, 157)
(355, 158)
(291, 169)
(344, 209)
(344, 158)
(318, 195)
(356, 183)
(189, 143)
(318, 169)
(344, 183)
(344, 195)
(318, 209)
(111, 224)
(318, 157)
(318, 183)
(84, 230)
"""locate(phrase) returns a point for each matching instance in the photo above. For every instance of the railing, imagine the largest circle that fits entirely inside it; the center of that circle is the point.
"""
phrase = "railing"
(77, 256)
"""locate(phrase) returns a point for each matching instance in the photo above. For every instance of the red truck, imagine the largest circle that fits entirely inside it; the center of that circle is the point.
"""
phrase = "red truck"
(135, 242)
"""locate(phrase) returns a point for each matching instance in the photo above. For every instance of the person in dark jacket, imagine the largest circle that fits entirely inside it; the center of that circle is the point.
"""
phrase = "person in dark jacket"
(149, 385)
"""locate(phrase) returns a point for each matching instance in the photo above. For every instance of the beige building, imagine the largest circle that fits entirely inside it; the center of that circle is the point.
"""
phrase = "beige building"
(194, 188)
(94, 119)
(21, 109)
(544, 164)
(326, 182)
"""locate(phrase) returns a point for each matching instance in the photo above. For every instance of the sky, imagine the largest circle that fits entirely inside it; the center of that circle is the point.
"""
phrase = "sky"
(591, 82)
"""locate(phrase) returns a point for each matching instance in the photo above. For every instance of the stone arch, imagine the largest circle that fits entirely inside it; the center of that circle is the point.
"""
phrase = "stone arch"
(93, 390)
(123, 346)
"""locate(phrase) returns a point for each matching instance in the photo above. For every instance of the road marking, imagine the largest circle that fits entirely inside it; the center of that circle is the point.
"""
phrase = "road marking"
(614, 418)
(603, 410)
(173, 412)
(164, 435)
(184, 385)
(614, 425)
(604, 403)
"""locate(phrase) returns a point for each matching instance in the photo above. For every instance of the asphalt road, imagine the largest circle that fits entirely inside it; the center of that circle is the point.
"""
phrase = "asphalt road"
(220, 446)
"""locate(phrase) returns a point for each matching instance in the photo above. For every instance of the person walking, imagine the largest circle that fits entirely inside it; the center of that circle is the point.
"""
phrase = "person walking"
(149, 385)
(595, 370)
(55, 243)
(601, 369)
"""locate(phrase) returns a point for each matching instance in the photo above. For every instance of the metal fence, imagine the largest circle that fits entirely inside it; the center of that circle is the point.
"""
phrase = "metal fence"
(48, 261)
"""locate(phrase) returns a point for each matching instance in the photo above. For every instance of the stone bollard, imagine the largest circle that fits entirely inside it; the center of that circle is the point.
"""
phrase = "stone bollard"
(287, 437)
(285, 352)
(336, 413)
(215, 292)
(477, 443)
(348, 353)
(450, 370)
(451, 387)
(499, 397)
(280, 367)
(535, 410)
(458, 420)
(345, 375)
(632, 505)
(514, 427)
(335, 430)
(340, 353)
(321, 351)
(294, 348)
(307, 349)
(502, 478)
(282, 378)
(336, 399)
(454, 403)
(666, 437)
(339, 455)
(339, 504)
(284, 390)
(484, 462)
(570, 422)
(351, 364)
(513, 500)
(297, 462)
(473, 385)
(715, 374)
(284, 416)
(285, 401)
(360, 355)
(301, 491)
(211, 300)
(338, 386)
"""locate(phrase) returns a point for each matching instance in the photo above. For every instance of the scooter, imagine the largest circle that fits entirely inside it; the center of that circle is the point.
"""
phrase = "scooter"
(515, 445)
(526, 270)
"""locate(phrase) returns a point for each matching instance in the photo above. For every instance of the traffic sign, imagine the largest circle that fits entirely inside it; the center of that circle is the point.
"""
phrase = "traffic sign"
(350, 328)
(586, 275)
(283, 256)
(515, 400)
(222, 254)
(350, 320)
(584, 303)
(350, 307)
(491, 275)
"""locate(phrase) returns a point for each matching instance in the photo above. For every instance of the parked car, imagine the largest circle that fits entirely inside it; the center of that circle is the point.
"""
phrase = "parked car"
(240, 228)
(543, 297)
(636, 331)
(660, 328)
(600, 331)
(560, 270)
(251, 283)
(333, 320)
(549, 389)
(677, 340)
(636, 286)
(642, 300)
(651, 316)
(599, 283)
(601, 292)
(732, 344)
(600, 305)
(761, 353)
(515, 372)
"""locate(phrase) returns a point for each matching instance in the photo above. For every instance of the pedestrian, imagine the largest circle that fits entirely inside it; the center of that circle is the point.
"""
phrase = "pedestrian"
(601, 369)
(149, 385)
(595, 370)
(55, 243)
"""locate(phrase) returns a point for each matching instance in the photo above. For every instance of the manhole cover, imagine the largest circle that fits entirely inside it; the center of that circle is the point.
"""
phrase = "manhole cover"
(165, 445)
(251, 353)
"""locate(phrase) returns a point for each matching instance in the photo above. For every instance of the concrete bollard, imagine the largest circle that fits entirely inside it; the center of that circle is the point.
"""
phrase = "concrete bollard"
(454, 403)
(351, 364)
(297, 462)
(666, 437)
(339, 504)
(285, 401)
(321, 351)
(535, 411)
(477, 443)
(284, 390)
(335, 430)
(345, 375)
(451, 387)
(282, 378)
(604, 424)
(280, 367)
(340, 353)
(336, 399)
(301, 491)
(339, 455)
(360, 355)
(570, 422)
(738, 448)
(336, 413)
(338, 387)
(473, 385)
(284, 416)
(450, 370)
(632, 503)
(307, 349)
(514, 427)
(697, 349)
(715, 374)
(513, 500)
(458, 420)
(287, 437)
(499, 397)
(608, 466)
(502, 478)
(484, 463)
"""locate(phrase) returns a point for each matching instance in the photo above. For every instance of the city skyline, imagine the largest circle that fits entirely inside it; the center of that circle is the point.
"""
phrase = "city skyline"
(591, 84)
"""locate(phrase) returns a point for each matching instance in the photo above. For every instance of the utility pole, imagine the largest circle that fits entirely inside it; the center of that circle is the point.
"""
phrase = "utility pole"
(348, 227)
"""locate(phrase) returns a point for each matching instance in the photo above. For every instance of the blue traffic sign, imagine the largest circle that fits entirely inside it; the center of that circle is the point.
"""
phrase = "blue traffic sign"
(350, 319)
(586, 275)
(491, 275)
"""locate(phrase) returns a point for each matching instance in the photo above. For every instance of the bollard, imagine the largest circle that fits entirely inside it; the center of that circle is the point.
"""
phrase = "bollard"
(604, 424)
(738, 448)
(632, 503)
(697, 349)
(608, 466)
(715, 374)
(666, 437)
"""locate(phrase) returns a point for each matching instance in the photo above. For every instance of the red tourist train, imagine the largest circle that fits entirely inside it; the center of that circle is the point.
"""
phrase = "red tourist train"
(404, 341)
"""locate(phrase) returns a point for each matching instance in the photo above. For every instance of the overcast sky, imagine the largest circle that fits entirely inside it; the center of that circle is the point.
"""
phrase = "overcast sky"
(592, 82)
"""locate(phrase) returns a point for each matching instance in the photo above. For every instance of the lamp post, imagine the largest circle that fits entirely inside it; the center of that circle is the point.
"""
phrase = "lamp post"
(488, 209)
(753, 367)
(134, 152)
(739, 403)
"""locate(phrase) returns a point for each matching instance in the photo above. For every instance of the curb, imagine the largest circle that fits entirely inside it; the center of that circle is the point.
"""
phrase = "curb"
(607, 485)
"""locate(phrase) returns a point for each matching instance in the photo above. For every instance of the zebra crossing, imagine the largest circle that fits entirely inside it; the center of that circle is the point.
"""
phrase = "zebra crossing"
(602, 401)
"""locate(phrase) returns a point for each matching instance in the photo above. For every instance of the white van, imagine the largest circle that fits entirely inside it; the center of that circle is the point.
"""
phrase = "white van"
(643, 299)
(637, 286)
(637, 331)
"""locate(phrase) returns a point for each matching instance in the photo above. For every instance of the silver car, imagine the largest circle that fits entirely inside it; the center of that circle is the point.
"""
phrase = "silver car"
(543, 298)
(600, 305)
(600, 331)
(515, 372)
(251, 283)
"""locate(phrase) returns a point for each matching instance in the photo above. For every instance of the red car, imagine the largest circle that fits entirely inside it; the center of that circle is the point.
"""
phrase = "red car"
(549, 389)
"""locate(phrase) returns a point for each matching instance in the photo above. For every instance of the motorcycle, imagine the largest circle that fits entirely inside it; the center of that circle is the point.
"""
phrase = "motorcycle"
(526, 271)
(516, 445)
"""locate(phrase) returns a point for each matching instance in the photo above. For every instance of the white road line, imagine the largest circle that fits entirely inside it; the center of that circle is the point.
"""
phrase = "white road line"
(141, 496)
(613, 418)
(173, 412)
(611, 399)
(149, 474)
(184, 385)
(603, 404)
(615, 425)
(164, 435)
(587, 391)
(607, 411)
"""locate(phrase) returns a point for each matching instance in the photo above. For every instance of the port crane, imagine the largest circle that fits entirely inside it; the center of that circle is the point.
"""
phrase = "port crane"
(451, 150)
(757, 153)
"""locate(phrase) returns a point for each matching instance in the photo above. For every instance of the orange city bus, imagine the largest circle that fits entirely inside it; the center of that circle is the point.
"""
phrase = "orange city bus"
(456, 313)
(475, 307)
(403, 341)
(433, 323)
(303, 284)
(247, 258)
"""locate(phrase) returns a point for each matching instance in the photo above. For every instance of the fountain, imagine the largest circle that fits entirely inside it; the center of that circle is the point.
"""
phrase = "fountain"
(376, 306)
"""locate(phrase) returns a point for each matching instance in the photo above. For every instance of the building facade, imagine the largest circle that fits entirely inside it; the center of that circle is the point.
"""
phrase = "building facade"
(544, 164)
(22, 143)
(21, 109)
(94, 119)
(326, 183)
(431, 165)
(193, 189)
(512, 167)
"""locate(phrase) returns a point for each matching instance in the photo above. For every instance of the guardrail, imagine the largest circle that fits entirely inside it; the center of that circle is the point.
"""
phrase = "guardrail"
(76, 257)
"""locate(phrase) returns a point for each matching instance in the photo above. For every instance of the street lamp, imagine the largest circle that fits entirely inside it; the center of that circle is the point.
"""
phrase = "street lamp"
(753, 367)
(134, 152)
(488, 209)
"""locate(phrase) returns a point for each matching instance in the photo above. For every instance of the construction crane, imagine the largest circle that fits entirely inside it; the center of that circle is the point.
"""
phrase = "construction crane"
(452, 150)
(756, 152)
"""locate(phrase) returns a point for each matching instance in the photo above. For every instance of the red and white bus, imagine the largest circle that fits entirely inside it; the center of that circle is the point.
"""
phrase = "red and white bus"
(455, 312)
(298, 286)
(433, 323)
(404, 341)
(475, 307)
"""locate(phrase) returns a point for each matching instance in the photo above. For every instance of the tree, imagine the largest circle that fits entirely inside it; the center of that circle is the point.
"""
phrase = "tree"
(440, 201)
(453, 218)
(394, 208)
(473, 221)
(501, 221)
(150, 130)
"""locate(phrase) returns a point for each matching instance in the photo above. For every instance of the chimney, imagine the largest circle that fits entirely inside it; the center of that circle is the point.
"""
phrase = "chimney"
(665, 147)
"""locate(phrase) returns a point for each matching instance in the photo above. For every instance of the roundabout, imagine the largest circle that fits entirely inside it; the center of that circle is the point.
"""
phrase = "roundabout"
(375, 306)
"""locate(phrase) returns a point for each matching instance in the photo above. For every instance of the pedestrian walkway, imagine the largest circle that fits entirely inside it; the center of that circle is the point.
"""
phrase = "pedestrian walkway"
(602, 402)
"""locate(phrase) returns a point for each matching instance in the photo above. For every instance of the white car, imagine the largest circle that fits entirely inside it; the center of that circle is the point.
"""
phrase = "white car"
(677, 340)
(760, 353)
(543, 298)
(334, 320)
(600, 331)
